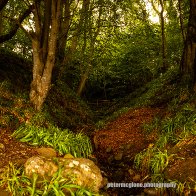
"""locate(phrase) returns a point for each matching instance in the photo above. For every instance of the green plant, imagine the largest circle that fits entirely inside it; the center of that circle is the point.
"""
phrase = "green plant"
(64, 141)
(142, 159)
(162, 141)
(184, 188)
(152, 160)
(159, 161)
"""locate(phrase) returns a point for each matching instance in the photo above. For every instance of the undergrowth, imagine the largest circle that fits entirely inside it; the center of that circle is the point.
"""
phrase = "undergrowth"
(16, 182)
(175, 127)
(64, 141)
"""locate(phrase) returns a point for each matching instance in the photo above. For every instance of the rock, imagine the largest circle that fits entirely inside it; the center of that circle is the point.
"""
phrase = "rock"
(44, 167)
(46, 152)
(79, 171)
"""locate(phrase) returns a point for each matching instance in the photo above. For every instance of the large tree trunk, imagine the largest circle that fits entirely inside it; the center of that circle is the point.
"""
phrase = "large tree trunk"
(188, 63)
(44, 53)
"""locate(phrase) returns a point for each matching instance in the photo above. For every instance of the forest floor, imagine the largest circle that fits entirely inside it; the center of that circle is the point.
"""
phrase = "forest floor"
(113, 137)
(117, 134)
(115, 145)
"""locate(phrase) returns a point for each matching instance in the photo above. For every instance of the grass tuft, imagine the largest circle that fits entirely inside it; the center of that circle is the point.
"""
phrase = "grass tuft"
(64, 141)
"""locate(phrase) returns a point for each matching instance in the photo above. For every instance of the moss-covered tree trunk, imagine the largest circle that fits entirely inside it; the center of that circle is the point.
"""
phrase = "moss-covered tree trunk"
(188, 64)
(44, 43)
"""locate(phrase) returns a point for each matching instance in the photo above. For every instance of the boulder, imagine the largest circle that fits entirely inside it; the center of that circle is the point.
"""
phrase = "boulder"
(79, 171)
(43, 166)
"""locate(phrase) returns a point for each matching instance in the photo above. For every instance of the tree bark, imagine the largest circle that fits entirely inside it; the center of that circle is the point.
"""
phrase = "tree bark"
(188, 63)
(42, 69)
(181, 20)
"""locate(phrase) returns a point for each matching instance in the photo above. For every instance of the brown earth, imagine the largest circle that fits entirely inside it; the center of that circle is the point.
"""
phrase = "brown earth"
(125, 135)
(12, 150)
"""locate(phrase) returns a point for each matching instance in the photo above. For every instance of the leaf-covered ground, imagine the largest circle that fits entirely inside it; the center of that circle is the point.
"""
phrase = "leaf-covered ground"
(126, 133)
(12, 150)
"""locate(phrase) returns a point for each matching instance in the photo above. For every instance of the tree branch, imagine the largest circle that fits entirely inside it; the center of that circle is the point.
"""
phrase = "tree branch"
(16, 26)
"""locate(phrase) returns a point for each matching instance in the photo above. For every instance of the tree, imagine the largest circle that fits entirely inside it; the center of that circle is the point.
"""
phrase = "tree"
(44, 43)
(181, 19)
(188, 63)
(93, 35)
(16, 24)
(163, 36)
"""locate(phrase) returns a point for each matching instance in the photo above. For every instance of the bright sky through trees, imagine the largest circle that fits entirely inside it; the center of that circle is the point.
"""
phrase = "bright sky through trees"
(152, 14)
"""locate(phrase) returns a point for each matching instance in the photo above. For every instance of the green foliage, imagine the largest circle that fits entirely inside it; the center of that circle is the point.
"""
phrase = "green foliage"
(154, 161)
(64, 141)
(66, 109)
(16, 182)
(178, 127)
(159, 90)
(183, 188)
(14, 107)
(159, 162)
(41, 119)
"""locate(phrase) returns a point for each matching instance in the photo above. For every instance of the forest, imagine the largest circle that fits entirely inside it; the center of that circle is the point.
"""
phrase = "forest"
(97, 97)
